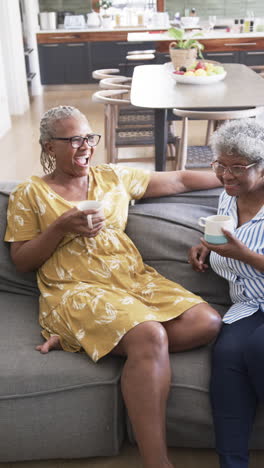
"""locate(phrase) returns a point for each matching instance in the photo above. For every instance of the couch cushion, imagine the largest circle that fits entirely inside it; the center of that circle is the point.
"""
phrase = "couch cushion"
(196, 197)
(174, 229)
(10, 279)
(189, 419)
(42, 396)
(58, 405)
(189, 412)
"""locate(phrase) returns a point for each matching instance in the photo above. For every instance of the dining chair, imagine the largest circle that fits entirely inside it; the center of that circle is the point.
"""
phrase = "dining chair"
(138, 57)
(130, 115)
(201, 156)
(117, 136)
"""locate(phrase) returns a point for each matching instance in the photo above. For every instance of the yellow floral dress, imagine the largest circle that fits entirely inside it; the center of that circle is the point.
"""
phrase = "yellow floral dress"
(93, 290)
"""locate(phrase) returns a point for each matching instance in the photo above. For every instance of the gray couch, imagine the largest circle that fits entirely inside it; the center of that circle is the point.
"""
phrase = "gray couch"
(62, 405)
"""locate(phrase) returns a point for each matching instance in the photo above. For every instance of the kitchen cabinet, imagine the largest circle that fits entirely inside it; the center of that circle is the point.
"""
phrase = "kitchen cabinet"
(74, 62)
(66, 63)
(223, 57)
(113, 55)
(252, 57)
(77, 67)
(51, 63)
(249, 57)
(70, 57)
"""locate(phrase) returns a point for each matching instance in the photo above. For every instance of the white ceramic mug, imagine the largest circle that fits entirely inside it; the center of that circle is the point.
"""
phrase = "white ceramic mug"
(91, 205)
(213, 228)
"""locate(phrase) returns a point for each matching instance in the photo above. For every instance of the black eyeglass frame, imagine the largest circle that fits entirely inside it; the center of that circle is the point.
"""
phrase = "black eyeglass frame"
(229, 168)
(71, 139)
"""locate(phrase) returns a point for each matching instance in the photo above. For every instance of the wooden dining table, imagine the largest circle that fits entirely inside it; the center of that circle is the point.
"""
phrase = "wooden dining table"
(153, 87)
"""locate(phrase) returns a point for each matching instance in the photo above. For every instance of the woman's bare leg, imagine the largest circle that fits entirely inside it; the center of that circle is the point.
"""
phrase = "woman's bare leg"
(198, 326)
(145, 386)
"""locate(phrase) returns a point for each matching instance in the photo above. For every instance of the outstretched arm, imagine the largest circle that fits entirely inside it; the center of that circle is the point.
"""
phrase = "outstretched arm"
(172, 182)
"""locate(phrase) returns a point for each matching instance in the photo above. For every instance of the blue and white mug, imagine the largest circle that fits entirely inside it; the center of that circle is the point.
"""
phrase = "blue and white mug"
(213, 228)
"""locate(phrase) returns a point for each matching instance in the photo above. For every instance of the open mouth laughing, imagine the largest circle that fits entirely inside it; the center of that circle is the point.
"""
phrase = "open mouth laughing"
(82, 161)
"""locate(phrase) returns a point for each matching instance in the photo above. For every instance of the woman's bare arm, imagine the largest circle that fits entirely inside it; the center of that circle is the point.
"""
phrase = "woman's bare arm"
(30, 255)
(169, 183)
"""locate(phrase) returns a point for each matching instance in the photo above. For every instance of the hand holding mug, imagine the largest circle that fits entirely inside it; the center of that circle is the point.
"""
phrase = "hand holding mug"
(233, 248)
(87, 219)
(213, 225)
(93, 210)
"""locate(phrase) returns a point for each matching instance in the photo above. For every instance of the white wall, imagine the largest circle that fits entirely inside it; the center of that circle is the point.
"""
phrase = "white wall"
(11, 38)
(30, 18)
(5, 121)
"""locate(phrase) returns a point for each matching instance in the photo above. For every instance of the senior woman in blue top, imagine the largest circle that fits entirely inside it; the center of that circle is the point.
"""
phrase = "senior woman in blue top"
(237, 382)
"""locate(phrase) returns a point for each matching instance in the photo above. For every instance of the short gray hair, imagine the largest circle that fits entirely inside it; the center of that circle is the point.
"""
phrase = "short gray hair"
(47, 131)
(244, 137)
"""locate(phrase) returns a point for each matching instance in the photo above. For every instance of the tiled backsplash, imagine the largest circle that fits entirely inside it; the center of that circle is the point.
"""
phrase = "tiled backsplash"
(75, 6)
(220, 8)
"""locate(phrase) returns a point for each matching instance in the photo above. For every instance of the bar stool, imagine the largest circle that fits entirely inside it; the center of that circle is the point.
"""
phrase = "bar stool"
(104, 73)
(141, 54)
(138, 57)
(201, 156)
(117, 82)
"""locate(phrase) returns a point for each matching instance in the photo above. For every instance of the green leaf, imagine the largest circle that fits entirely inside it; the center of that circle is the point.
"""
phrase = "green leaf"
(176, 33)
(190, 43)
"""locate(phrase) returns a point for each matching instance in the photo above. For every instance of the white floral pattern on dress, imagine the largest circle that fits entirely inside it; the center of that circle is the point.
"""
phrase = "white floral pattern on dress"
(94, 290)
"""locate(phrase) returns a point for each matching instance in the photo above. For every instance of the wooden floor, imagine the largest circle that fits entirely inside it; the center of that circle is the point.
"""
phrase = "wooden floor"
(19, 158)
(129, 458)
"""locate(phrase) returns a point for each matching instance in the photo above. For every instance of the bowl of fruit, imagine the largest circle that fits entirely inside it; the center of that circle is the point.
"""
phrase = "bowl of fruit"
(199, 73)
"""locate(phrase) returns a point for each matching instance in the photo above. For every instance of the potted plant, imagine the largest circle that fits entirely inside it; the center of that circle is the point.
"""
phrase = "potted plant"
(184, 51)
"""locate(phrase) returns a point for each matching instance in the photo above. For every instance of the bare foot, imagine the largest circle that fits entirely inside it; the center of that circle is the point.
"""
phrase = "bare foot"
(52, 343)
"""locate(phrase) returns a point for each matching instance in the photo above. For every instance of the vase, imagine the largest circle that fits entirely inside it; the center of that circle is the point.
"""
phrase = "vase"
(182, 57)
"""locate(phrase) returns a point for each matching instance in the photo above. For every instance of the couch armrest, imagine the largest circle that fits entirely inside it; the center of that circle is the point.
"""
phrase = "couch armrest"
(197, 197)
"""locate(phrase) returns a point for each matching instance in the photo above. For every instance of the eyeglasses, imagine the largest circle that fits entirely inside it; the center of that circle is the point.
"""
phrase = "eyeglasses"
(77, 141)
(236, 171)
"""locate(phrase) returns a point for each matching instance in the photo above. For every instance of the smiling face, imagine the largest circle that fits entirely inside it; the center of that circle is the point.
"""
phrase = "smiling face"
(251, 181)
(69, 160)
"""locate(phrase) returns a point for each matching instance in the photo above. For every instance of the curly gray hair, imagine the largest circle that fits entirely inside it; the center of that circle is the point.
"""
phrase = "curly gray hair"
(243, 137)
(47, 131)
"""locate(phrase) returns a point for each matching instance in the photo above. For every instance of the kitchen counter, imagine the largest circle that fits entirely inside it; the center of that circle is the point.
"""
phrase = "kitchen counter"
(216, 41)
(213, 41)
(100, 29)
(89, 35)
(147, 36)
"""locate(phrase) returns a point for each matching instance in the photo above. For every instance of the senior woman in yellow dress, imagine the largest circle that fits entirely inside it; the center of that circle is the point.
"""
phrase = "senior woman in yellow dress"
(96, 294)
(237, 383)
